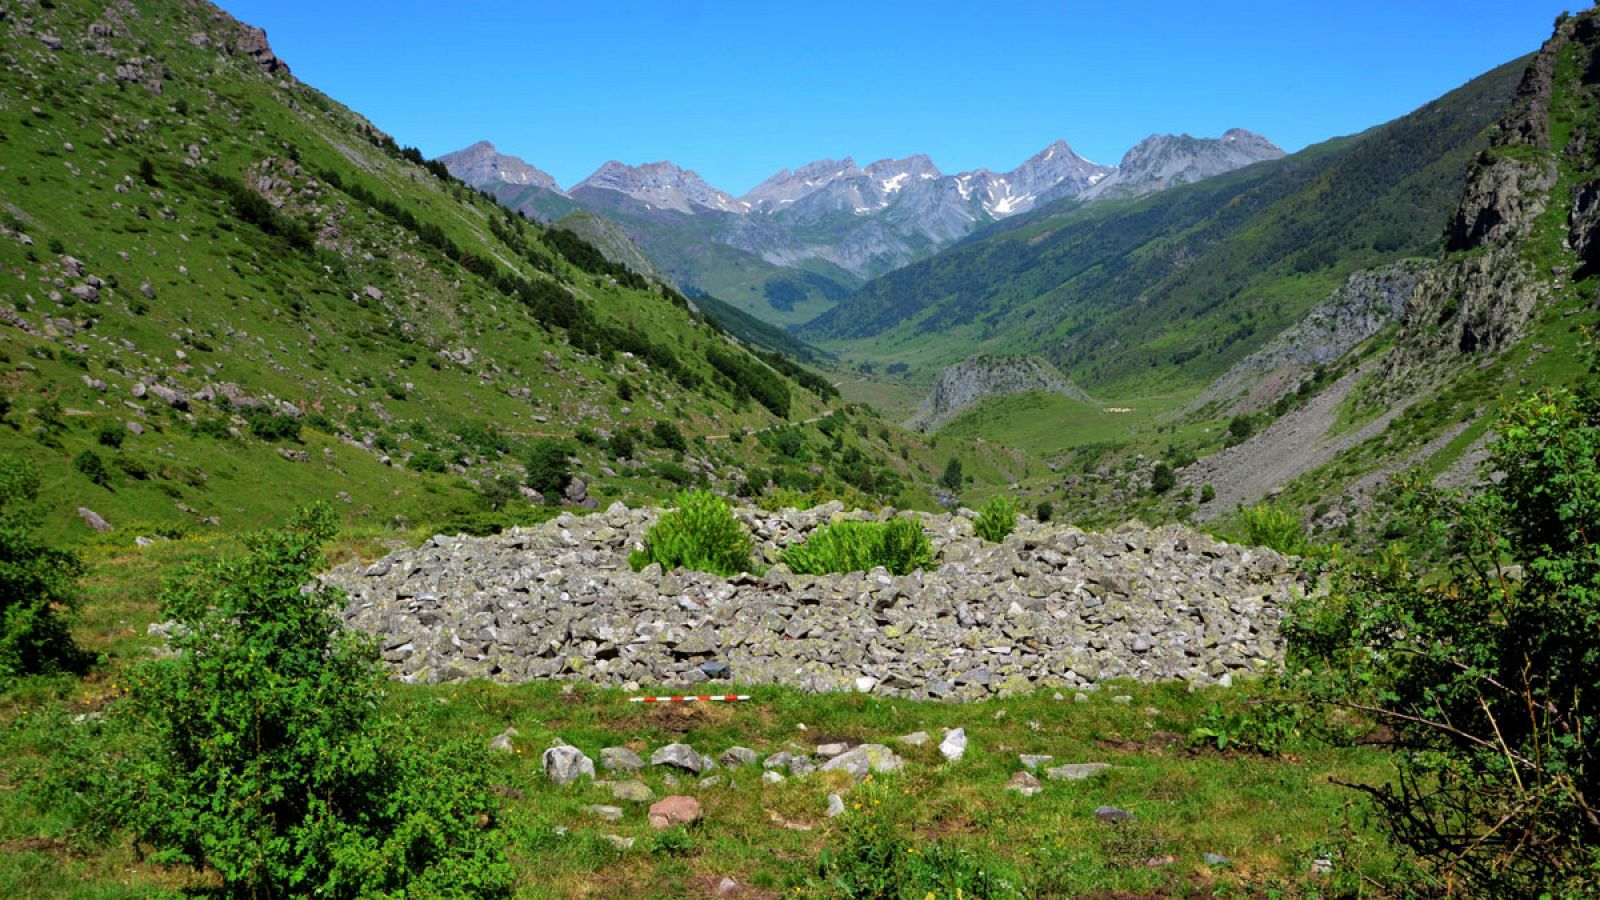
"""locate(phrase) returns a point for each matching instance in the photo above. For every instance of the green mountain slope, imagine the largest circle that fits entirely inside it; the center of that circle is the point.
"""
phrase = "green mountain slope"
(1167, 291)
(225, 294)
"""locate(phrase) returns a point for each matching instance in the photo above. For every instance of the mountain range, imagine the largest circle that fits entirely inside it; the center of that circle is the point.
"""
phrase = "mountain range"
(793, 245)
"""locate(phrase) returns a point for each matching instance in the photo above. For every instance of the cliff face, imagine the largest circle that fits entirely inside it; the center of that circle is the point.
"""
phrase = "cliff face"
(1532, 201)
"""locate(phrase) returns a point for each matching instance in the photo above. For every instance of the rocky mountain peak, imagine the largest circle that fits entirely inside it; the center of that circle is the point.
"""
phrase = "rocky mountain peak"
(1161, 161)
(481, 164)
(787, 186)
(661, 185)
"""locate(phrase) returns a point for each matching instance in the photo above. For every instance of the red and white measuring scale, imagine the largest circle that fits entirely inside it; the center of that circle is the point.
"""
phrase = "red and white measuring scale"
(689, 699)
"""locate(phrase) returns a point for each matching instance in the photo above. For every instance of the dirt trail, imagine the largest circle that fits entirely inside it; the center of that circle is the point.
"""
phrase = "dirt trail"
(1288, 448)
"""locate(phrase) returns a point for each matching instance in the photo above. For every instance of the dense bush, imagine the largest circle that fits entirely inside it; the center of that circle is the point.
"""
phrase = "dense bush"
(38, 583)
(1162, 478)
(898, 545)
(997, 519)
(92, 466)
(1488, 670)
(699, 533)
(666, 436)
(1271, 526)
(426, 461)
(271, 426)
(547, 468)
(952, 477)
(267, 760)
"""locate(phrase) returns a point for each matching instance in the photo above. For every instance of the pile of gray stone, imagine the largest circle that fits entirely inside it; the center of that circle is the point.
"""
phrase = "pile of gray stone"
(1051, 606)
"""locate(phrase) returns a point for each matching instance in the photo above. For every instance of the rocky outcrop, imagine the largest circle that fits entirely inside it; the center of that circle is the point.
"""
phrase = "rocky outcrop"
(1052, 605)
(978, 377)
(1358, 309)
(1480, 298)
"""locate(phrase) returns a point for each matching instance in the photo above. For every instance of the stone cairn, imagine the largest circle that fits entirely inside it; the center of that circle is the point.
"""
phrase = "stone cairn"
(1051, 606)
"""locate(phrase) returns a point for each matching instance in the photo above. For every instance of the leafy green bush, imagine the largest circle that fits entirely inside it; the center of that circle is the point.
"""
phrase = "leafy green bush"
(265, 756)
(667, 436)
(92, 466)
(547, 468)
(1270, 526)
(38, 584)
(1162, 478)
(1488, 669)
(271, 426)
(1207, 493)
(899, 545)
(997, 519)
(426, 461)
(111, 434)
(1044, 511)
(699, 533)
(952, 477)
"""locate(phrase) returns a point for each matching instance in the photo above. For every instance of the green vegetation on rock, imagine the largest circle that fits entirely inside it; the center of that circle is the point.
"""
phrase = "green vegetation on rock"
(699, 533)
(898, 545)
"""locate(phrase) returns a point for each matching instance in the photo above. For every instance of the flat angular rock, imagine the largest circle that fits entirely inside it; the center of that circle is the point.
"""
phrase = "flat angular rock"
(608, 813)
(1112, 814)
(864, 760)
(914, 739)
(771, 777)
(615, 759)
(954, 745)
(1075, 771)
(564, 765)
(733, 757)
(1034, 761)
(502, 741)
(618, 841)
(1025, 784)
(674, 810)
(681, 756)
(831, 750)
(632, 791)
(835, 806)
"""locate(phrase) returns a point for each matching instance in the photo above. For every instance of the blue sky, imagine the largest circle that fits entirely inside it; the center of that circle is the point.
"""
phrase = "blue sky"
(738, 90)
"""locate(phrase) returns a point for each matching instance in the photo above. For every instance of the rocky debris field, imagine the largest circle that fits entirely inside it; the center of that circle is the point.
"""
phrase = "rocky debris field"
(1051, 606)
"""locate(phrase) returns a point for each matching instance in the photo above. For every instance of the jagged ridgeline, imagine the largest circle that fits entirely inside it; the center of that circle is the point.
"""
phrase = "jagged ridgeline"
(225, 294)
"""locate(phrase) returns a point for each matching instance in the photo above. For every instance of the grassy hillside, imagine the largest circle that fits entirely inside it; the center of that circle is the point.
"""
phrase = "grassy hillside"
(1165, 292)
(225, 294)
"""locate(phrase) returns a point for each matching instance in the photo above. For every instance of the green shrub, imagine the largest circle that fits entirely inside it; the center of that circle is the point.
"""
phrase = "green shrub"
(547, 468)
(898, 545)
(997, 519)
(699, 533)
(271, 426)
(1044, 511)
(92, 466)
(1270, 526)
(620, 444)
(426, 461)
(38, 584)
(667, 436)
(264, 755)
(1162, 478)
(111, 434)
(1207, 493)
(952, 477)
(1485, 667)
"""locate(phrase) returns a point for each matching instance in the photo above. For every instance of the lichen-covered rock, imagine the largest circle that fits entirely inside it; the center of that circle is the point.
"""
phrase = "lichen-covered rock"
(864, 760)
